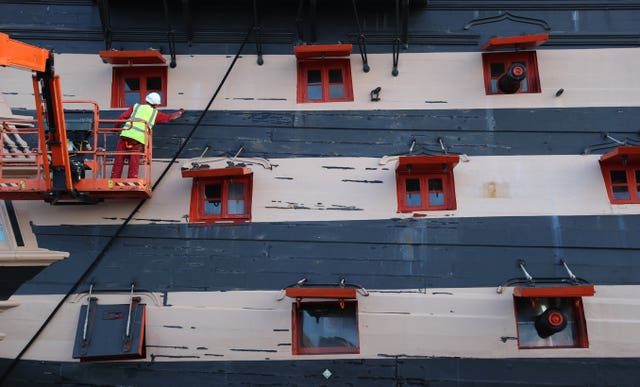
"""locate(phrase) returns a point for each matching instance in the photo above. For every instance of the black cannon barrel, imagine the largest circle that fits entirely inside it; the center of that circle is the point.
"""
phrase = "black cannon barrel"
(509, 83)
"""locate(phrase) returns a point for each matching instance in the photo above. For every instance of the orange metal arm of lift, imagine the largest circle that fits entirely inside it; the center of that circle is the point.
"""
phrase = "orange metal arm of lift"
(17, 54)
(48, 96)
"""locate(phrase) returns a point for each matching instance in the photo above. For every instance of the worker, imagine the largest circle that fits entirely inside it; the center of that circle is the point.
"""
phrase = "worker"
(133, 134)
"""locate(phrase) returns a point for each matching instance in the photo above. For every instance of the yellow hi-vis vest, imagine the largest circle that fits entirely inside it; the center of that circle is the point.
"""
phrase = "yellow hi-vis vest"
(137, 130)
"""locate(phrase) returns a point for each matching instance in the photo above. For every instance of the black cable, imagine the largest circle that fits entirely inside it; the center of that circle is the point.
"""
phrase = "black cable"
(108, 245)
(362, 40)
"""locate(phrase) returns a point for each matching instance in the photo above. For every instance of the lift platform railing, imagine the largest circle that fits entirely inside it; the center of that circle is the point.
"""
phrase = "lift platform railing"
(92, 150)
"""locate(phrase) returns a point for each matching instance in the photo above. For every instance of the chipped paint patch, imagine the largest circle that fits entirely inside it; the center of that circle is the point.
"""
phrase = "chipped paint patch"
(251, 350)
(334, 167)
(362, 181)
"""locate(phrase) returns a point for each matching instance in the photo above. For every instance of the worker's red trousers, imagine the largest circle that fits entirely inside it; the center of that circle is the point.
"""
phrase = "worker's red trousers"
(130, 145)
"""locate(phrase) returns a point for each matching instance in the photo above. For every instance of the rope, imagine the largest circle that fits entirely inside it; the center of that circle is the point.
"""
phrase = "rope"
(362, 40)
(104, 250)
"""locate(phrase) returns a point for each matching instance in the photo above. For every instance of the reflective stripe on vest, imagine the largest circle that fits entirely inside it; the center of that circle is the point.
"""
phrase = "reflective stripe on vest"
(137, 130)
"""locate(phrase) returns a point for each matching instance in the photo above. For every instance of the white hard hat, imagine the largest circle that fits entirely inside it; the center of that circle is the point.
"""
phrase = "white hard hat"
(154, 98)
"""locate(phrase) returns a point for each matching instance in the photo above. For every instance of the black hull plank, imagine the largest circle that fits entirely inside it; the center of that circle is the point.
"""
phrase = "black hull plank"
(377, 254)
(394, 371)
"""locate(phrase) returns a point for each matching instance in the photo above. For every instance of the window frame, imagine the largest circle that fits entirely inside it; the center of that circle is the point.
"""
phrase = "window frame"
(198, 197)
(297, 329)
(120, 73)
(631, 184)
(578, 327)
(571, 295)
(530, 60)
(627, 159)
(425, 168)
(324, 65)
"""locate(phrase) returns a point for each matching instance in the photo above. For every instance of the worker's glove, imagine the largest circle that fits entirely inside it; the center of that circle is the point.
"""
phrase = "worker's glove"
(177, 114)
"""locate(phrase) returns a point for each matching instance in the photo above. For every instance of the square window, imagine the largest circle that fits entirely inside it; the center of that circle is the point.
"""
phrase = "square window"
(550, 322)
(426, 183)
(324, 80)
(221, 198)
(131, 85)
(511, 72)
(621, 173)
(325, 327)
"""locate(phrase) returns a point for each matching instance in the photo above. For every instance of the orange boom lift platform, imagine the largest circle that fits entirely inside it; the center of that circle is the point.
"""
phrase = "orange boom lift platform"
(65, 166)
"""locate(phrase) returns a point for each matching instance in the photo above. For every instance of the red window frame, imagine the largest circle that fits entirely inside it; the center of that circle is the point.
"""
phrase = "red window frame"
(324, 66)
(198, 198)
(425, 168)
(562, 305)
(624, 159)
(528, 58)
(120, 73)
(297, 329)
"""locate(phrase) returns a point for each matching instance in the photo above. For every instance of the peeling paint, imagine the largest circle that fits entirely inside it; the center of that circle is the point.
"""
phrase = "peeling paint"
(344, 208)
(154, 356)
(403, 313)
(289, 207)
(504, 339)
(332, 167)
(362, 181)
(251, 350)
(493, 190)
(173, 326)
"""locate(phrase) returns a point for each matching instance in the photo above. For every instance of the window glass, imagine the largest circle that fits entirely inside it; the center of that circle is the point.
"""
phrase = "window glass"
(154, 83)
(236, 199)
(336, 91)
(335, 76)
(314, 92)
(3, 237)
(213, 196)
(131, 98)
(412, 187)
(326, 325)
(436, 196)
(497, 69)
(638, 183)
(620, 192)
(618, 177)
(132, 84)
(314, 77)
(314, 85)
(336, 88)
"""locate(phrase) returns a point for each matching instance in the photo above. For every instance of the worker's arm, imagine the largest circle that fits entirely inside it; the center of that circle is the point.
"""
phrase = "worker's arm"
(126, 114)
(161, 118)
